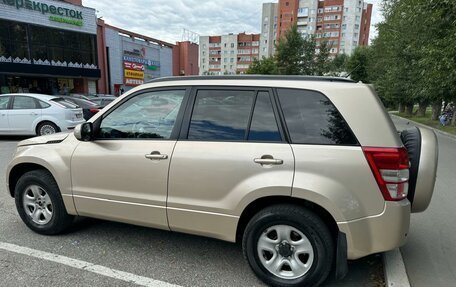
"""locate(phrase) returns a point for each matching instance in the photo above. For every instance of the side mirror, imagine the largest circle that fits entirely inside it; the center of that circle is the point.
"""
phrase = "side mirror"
(84, 132)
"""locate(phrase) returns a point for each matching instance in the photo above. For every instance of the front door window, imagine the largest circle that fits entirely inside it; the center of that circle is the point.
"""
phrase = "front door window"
(151, 115)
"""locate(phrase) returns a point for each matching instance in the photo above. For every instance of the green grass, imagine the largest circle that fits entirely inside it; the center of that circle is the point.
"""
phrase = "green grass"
(426, 120)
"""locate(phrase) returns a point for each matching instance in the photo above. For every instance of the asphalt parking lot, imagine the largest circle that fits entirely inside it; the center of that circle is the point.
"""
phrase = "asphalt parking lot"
(159, 258)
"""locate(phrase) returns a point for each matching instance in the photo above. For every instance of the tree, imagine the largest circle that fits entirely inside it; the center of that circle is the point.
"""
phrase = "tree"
(289, 53)
(295, 55)
(322, 60)
(338, 65)
(358, 64)
(265, 66)
(414, 54)
(308, 55)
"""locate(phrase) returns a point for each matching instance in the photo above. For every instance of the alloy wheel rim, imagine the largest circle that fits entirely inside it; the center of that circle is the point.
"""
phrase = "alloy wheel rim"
(285, 251)
(38, 205)
(47, 130)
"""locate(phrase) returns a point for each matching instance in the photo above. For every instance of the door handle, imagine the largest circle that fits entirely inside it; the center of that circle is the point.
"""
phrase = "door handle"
(268, 161)
(34, 114)
(156, 156)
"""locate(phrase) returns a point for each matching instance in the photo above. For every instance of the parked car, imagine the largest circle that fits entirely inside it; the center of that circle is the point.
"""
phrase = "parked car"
(79, 96)
(305, 172)
(103, 101)
(89, 108)
(35, 114)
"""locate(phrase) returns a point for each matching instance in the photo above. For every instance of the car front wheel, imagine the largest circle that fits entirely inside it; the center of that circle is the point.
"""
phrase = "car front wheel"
(39, 203)
(287, 245)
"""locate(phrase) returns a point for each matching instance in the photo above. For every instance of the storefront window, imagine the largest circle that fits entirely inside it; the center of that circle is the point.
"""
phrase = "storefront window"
(39, 52)
(56, 37)
(4, 48)
(46, 43)
(56, 54)
(39, 35)
(19, 50)
(18, 32)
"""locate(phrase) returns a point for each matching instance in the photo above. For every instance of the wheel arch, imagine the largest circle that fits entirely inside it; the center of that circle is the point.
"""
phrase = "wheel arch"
(20, 169)
(264, 202)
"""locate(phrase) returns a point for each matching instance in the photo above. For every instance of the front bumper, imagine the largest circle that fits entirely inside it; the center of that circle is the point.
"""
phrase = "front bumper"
(378, 233)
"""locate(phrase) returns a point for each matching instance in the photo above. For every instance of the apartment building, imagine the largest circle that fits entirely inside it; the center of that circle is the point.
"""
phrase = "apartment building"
(269, 26)
(345, 24)
(227, 54)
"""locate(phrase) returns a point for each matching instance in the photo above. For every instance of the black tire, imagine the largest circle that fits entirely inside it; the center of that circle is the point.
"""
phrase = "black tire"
(46, 128)
(60, 220)
(411, 138)
(308, 224)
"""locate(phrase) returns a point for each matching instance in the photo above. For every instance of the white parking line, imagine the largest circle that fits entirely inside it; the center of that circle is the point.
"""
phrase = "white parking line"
(395, 272)
(87, 266)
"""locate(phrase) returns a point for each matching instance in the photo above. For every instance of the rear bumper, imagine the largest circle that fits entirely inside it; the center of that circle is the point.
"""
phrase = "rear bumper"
(70, 125)
(379, 233)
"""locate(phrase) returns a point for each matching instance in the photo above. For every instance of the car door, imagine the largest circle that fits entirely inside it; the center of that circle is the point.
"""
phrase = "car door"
(231, 152)
(4, 122)
(122, 175)
(24, 115)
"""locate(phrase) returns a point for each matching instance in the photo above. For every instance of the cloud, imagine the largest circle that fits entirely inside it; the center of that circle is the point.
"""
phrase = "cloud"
(166, 19)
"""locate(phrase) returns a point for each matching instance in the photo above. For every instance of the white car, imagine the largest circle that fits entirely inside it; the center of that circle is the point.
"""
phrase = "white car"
(36, 114)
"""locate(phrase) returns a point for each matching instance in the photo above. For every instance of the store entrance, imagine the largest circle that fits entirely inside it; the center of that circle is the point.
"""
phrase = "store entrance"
(40, 85)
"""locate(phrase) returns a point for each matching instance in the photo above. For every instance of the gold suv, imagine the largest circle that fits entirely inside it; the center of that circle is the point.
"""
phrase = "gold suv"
(306, 172)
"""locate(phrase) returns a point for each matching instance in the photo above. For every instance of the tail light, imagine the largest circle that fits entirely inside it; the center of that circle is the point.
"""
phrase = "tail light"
(93, 110)
(390, 167)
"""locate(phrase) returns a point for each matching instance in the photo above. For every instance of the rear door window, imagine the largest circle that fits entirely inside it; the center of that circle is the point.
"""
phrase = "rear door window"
(311, 118)
(24, 103)
(221, 115)
(4, 103)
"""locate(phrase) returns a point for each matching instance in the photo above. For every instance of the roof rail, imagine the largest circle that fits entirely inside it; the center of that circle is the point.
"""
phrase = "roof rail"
(254, 77)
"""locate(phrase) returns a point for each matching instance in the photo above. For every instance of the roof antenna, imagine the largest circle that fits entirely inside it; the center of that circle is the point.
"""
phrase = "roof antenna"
(356, 68)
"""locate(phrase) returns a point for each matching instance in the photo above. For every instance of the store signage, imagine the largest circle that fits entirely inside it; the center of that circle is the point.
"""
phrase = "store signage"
(134, 74)
(135, 52)
(133, 82)
(137, 60)
(66, 20)
(44, 8)
(133, 66)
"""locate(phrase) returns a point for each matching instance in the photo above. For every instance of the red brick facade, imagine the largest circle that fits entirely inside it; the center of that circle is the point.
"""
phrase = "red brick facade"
(287, 15)
(365, 26)
(185, 59)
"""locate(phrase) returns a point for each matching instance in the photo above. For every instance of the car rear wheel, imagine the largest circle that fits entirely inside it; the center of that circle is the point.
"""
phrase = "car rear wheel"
(46, 128)
(287, 245)
(39, 203)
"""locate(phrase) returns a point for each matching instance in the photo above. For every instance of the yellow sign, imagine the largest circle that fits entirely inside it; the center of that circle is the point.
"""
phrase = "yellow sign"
(134, 74)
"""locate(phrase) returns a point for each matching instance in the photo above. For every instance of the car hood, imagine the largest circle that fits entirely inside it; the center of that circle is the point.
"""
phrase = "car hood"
(48, 139)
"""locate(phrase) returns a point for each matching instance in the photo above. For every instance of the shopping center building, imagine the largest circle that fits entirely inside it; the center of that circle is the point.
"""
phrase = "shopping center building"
(128, 59)
(48, 47)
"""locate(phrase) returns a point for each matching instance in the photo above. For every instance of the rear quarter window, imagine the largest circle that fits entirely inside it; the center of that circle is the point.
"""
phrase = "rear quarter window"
(311, 118)
(43, 105)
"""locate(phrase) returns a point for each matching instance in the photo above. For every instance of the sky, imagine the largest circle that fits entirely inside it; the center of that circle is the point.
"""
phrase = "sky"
(166, 19)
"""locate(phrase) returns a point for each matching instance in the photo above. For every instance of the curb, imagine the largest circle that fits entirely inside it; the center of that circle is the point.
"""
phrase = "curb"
(394, 269)
(451, 136)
